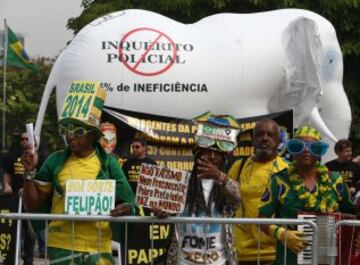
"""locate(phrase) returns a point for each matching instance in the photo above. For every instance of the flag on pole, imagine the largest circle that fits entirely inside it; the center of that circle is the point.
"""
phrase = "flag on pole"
(16, 54)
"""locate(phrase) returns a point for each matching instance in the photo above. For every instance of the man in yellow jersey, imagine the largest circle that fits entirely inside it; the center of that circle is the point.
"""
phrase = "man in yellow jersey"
(253, 175)
(84, 159)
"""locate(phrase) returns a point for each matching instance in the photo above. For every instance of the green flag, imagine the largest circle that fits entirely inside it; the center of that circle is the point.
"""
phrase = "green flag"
(16, 54)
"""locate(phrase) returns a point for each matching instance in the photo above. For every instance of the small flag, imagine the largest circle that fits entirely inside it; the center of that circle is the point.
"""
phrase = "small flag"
(16, 54)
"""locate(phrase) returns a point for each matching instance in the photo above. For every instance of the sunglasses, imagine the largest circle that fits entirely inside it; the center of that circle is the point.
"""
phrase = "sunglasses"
(225, 146)
(74, 131)
(316, 148)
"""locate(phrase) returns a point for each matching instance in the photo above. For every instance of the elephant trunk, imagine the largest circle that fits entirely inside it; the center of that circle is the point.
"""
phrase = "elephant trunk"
(333, 118)
(335, 111)
(317, 121)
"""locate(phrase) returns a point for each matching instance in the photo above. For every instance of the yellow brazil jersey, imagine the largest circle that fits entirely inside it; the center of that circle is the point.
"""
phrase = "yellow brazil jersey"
(87, 236)
(253, 180)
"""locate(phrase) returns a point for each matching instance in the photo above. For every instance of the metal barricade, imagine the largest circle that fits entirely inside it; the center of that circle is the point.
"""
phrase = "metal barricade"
(333, 250)
(170, 220)
(18, 233)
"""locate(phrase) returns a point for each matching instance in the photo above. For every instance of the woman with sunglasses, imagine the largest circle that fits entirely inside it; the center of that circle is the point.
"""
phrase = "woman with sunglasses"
(306, 185)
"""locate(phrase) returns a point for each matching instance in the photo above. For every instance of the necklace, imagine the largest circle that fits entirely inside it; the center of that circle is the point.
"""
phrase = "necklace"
(320, 199)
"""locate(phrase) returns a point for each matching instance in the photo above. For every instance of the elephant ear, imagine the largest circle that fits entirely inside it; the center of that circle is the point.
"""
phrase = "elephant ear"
(301, 87)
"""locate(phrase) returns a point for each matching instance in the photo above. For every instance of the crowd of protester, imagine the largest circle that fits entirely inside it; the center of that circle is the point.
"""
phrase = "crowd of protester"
(263, 185)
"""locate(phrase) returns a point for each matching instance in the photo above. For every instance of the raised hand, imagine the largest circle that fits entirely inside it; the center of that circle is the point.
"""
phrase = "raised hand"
(207, 170)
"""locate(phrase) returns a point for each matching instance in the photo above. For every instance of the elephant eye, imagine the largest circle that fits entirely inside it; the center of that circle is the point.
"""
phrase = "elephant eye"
(330, 63)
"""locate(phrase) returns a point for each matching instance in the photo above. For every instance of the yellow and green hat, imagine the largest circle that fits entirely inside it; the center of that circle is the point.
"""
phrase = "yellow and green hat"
(216, 132)
(307, 131)
(83, 105)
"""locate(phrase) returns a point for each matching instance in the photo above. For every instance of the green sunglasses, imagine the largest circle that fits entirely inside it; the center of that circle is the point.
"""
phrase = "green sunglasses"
(224, 146)
(74, 131)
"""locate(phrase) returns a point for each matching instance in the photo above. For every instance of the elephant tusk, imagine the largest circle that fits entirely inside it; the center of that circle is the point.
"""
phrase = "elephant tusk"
(318, 122)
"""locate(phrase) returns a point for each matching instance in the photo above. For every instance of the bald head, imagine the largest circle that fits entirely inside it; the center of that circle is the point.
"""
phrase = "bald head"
(267, 122)
(266, 139)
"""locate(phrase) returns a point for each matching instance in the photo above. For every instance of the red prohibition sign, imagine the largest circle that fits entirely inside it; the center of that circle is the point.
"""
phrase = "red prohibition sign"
(147, 51)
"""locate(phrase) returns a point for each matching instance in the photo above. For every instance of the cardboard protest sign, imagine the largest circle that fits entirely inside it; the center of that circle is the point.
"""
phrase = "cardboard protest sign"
(89, 197)
(82, 100)
(163, 188)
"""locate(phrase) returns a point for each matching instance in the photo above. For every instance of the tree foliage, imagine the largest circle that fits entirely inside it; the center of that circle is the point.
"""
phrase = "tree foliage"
(24, 91)
(344, 15)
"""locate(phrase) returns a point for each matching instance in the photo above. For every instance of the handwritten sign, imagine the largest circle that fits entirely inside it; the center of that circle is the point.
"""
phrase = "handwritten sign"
(80, 99)
(162, 188)
(89, 197)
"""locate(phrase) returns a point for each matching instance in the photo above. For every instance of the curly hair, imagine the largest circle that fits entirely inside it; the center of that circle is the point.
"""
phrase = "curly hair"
(195, 200)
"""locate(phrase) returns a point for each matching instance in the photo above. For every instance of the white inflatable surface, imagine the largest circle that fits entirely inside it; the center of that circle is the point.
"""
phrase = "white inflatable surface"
(239, 64)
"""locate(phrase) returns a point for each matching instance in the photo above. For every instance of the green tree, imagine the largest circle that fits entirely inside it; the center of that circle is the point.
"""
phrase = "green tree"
(344, 15)
(24, 91)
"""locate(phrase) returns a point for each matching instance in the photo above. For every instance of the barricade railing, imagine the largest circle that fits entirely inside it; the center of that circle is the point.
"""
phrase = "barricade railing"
(18, 234)
(173, 220)
(333, 253)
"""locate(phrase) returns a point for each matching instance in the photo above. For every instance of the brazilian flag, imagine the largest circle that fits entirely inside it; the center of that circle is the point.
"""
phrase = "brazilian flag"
(16, 54)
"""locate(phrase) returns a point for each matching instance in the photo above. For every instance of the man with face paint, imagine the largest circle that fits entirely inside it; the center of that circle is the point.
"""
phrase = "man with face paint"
(253, 175)
(305, 185)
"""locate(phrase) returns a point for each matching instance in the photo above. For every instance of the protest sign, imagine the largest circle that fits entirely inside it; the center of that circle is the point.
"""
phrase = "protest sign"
(163, 188)
(81, 98)
(89, 197)
(8, 204)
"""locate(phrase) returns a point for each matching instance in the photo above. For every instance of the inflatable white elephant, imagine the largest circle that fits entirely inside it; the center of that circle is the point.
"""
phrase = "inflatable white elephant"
(239, 64)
